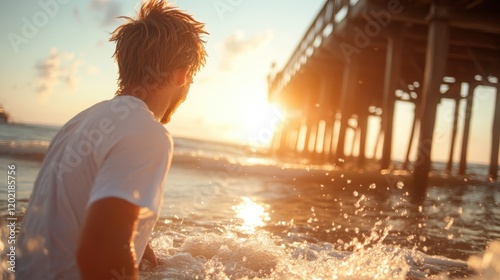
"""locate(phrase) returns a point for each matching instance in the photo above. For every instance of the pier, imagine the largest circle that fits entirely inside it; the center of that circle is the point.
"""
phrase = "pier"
(359, 57)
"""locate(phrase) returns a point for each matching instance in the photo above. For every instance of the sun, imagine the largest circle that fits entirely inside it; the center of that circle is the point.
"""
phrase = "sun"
(261, 120)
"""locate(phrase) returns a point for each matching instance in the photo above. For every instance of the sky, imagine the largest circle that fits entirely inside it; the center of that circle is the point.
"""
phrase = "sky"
(57, 61)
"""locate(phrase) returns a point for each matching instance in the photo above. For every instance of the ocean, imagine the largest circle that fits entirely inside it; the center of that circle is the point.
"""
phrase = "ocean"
(231, 212)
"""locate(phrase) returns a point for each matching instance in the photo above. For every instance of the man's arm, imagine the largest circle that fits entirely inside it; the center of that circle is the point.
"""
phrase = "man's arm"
(149, 255)
(105, 248)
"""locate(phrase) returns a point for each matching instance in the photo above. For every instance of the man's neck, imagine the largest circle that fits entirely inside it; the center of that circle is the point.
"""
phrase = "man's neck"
(157, 100)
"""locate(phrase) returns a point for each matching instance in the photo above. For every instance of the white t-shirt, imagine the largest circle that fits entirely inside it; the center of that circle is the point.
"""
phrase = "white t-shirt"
(113, 149)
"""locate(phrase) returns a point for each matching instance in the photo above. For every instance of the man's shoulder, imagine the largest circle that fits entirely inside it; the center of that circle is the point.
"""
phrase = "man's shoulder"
(133, 120)
(122, 117)
(127, 114)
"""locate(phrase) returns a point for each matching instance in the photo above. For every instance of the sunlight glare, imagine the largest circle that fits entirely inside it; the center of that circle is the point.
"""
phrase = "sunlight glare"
(252, 214)
(261, 121)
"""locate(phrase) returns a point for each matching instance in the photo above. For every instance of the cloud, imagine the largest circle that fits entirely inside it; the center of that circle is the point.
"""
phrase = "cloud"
(72, 78)
(56, 67)
(91, 70)
(48, 71)
(110, 10)
(236, 45)
(76, 15)
(99, 43)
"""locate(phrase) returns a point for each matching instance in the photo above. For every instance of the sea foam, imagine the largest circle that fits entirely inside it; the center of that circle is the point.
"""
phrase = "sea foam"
(262, 256)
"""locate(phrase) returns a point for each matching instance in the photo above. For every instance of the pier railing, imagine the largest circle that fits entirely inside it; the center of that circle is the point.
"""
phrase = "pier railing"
(331, 15)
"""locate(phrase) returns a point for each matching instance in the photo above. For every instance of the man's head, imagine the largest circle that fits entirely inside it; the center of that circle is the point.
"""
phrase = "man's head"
(156, 49)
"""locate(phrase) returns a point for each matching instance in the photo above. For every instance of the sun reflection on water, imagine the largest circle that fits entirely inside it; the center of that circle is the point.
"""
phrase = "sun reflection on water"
(252, 214)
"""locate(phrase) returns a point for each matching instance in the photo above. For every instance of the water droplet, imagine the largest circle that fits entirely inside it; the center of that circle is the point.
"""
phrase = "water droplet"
(136, 195)
(355, 193)
(400, 185)
(373, 186)
(450, 221)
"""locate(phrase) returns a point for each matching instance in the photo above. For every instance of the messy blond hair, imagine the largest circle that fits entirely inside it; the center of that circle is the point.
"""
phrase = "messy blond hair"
(161, 40)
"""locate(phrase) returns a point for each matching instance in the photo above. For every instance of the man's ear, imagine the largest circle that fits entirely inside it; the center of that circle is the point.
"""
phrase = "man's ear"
(180, 76)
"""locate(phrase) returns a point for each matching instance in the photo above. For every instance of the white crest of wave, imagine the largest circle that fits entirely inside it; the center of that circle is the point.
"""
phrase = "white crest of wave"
(261, 256)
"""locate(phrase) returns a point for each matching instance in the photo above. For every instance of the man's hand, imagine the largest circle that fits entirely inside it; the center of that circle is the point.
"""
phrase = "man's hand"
(150, 255)
(105, 245)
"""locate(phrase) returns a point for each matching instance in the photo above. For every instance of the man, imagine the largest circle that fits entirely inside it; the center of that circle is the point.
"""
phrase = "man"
(100, 186)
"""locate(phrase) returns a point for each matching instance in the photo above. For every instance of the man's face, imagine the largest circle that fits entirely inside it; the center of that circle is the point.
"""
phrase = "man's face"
(177, 100)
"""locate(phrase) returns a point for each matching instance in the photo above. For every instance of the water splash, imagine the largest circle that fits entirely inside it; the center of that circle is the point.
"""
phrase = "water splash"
(231, 255)
(488, 265)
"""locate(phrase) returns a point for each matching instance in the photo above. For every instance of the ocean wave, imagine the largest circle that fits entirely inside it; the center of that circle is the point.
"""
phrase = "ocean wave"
(228, 163)
(232, 166)
(24, 149)
(224, 162)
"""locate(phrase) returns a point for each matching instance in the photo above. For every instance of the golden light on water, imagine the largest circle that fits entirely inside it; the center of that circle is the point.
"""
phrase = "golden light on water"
(252, 214)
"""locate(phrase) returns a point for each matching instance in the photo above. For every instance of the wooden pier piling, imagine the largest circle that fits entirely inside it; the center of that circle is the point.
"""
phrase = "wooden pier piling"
(349, 82)
(449, 165)
(465, 137)
(435, 66)
(391, 80)
(410, 139)
(495, 139)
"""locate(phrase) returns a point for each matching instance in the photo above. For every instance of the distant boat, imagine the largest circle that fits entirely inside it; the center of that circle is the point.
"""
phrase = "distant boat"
(4, 117)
